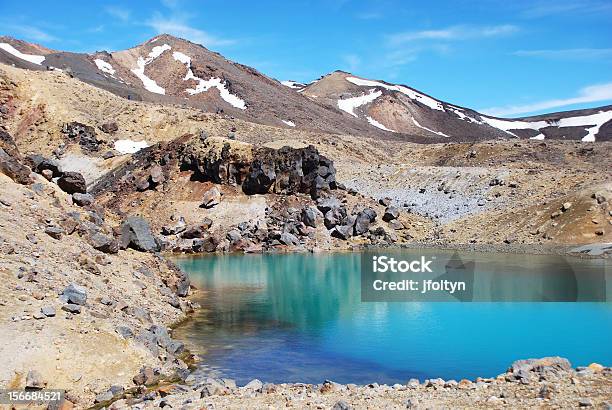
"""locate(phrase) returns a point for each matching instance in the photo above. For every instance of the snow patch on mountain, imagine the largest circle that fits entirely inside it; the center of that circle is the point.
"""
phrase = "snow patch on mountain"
(462, 115)
(422, 98)
(104, 66)
(592, 123)
(538, 137)
(289, 123)
(149, 84)
(129, 146)
(430, 130)
(205, 85)
(32, 58)
(293, 84)
(377, 124)
(349, 104)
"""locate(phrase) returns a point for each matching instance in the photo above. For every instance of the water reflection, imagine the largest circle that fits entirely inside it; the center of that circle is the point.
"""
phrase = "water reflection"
(299, 317)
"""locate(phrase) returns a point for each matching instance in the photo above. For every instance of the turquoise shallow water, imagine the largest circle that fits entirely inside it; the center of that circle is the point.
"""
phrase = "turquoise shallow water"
(299, 318)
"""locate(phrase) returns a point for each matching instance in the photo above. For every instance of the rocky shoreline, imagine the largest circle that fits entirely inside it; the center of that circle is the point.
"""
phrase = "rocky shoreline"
(541, 383)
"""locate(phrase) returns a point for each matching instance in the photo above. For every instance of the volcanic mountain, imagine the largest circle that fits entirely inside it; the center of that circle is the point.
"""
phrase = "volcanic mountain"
(400, 109)
(170, 70)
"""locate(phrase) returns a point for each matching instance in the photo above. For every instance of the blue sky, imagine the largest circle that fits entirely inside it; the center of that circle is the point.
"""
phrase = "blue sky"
(504, 57)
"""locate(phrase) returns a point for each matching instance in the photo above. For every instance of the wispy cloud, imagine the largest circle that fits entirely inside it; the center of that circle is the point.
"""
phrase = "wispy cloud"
(453, 33)
(118, 12)
(567, 54)
(352, 62)
(30, 32)
(178, 27)
(590, 94)
(545, 8)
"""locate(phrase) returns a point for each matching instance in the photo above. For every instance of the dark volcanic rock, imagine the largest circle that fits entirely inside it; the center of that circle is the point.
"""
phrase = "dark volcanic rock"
(207, 244)
(136, 233)
(85, 135)
(289, 239)
(283, 171)
(54, 232)
(14, 169)
(325, 204)
(40, 164)
(82, 199)
(391, 213)
(72, 182)
(309, 216)
(104, 243)
(109, 127)
(363, 221)
(75, 294)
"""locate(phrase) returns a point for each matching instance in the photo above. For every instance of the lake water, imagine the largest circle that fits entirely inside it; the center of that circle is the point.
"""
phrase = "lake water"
(300, 318)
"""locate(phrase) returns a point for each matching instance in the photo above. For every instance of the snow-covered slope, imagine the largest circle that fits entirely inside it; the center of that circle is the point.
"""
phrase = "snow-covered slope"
(400, 109)
(170, 70)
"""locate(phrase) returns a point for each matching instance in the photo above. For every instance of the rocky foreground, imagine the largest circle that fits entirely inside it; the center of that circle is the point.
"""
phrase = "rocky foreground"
(535, 383)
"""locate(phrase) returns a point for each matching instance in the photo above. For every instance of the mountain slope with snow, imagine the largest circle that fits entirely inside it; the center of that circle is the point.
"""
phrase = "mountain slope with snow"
(401, 109)
(169, 70)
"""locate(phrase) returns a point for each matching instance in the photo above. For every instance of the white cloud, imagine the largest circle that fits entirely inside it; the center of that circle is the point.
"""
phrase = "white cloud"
(460, 32)
(178, 27)
(567, 54)
(590, 94)
(118, 12)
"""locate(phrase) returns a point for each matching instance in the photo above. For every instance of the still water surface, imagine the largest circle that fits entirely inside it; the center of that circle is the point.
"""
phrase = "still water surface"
(300, 318)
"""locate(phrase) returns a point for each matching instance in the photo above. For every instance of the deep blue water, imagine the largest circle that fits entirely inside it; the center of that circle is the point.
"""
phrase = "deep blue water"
(299, 318)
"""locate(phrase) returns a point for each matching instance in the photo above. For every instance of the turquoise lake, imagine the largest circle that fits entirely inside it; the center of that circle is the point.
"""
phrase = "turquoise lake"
(300, 318)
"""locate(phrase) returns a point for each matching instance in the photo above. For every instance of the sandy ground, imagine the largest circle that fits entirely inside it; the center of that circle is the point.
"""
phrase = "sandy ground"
(82, 353)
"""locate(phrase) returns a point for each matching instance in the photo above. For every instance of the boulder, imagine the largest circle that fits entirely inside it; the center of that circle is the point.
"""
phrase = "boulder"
(211, 198)
(254, 384)
(334, 217)
(146, 377)
(363, 221)
(54, 231)
(179, 227)
(391, 213)
(234, 236)
(109, 127)
(260, 179)
(48, 311)
(136, 233)
(206, 244)
(522, 368)
(35, 381)
(82, 199)
(104, 243)
(85, 135)
(72, 308)
(14, 169)
(289, 239)
(326, 204)
(75, 294)
(156, 175)
(72, 182)
(47, 174)
(342, 232)
(195, 231)
(309, 216)
(40, 164)
(385, 201)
